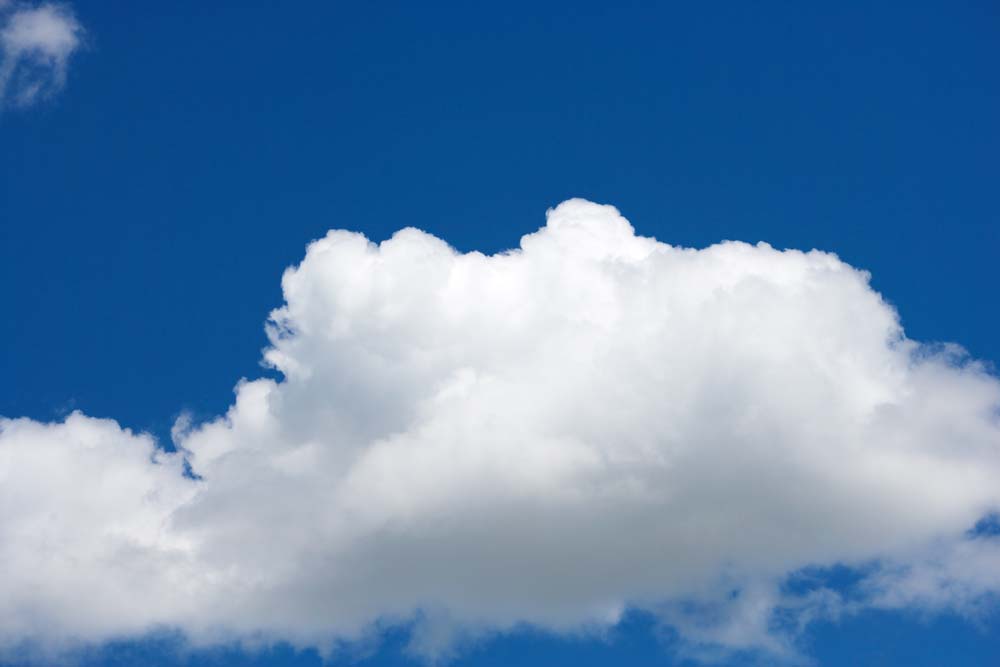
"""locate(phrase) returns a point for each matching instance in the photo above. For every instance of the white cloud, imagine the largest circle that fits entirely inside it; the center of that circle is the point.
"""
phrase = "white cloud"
(36, 43)
(549, 436)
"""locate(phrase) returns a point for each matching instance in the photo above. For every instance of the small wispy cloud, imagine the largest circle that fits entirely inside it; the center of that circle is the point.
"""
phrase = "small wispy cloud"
(36, 43)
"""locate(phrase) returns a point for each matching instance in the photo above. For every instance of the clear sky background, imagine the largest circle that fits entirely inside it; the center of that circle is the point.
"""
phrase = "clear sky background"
(148, 210)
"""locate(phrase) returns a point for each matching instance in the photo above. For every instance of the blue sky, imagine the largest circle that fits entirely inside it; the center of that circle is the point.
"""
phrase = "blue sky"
(149, 205)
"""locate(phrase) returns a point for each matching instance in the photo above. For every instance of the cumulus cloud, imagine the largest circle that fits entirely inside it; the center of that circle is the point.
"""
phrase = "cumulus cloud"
(593, 422)
(36, 43)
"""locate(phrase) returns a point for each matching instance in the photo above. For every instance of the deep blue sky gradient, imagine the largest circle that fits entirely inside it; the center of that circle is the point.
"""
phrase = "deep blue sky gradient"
(147, 212)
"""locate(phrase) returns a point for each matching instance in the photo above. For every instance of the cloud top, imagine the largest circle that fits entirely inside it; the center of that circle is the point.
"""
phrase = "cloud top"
(36, 43)
(592, 422)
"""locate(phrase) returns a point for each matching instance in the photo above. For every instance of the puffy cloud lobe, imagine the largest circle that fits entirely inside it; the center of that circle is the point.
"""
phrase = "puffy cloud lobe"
(36, 43)
(551, 435)
(84, 544)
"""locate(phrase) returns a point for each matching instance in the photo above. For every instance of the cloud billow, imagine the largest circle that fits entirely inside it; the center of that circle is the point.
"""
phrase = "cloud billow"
(549, 436)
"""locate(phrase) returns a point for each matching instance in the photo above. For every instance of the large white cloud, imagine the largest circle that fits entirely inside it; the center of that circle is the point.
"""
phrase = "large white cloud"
(36, 42)
(548, 436)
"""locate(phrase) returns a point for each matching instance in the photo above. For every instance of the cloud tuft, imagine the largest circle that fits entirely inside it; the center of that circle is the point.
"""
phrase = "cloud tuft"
(36, 43)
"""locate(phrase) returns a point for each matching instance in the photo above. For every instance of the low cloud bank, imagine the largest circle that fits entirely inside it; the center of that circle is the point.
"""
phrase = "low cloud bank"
(593, 422)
